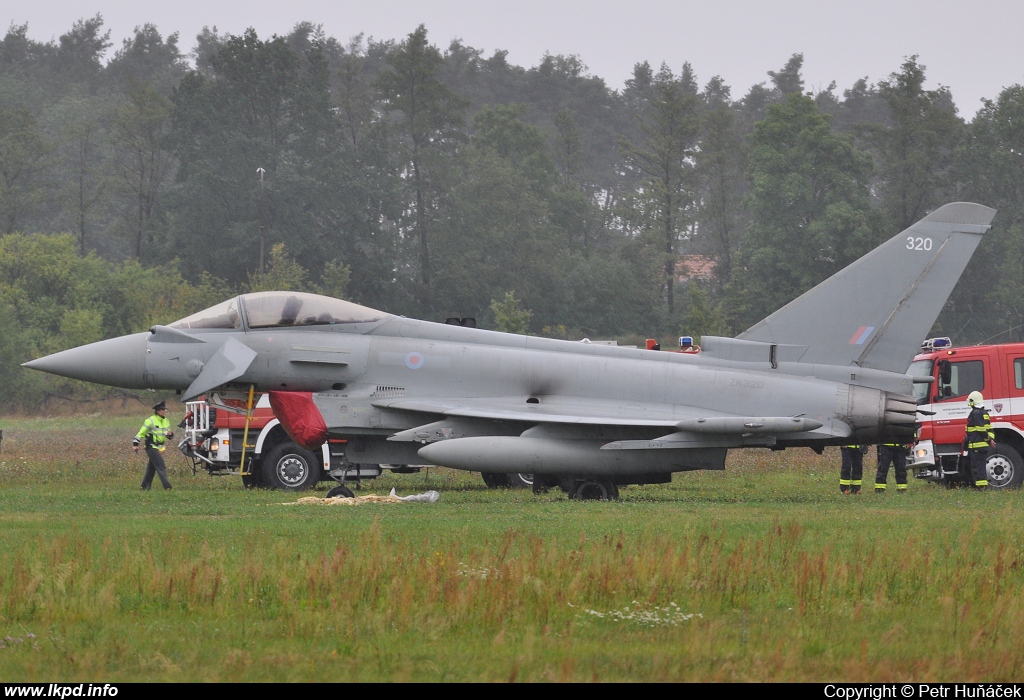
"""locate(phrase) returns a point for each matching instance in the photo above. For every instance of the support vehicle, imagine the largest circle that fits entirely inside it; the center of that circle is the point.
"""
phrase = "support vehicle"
(215, 432)
(997, 371)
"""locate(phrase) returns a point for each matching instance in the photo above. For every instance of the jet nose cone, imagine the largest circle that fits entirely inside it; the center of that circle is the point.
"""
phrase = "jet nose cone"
(116, 362)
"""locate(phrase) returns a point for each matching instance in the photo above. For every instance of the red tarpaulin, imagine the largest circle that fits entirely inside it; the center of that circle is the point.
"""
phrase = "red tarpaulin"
(299, 417)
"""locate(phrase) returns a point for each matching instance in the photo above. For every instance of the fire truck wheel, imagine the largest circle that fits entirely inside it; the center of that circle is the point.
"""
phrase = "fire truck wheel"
(253, 481)
(340, 491)
(291, 468)
(520, 481)
(1005, 467)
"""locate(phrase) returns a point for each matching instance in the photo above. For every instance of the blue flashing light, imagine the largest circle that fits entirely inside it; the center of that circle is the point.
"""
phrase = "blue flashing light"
(933, 344)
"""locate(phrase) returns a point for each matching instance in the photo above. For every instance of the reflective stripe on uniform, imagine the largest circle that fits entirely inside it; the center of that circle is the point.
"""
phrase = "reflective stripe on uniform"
(154, 431)
(979, 436)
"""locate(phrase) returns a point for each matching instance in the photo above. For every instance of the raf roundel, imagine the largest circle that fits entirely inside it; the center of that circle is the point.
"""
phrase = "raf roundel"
(414, 360)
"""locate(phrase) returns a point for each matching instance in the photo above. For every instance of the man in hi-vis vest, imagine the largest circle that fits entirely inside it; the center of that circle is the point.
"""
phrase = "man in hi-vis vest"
(154, 434)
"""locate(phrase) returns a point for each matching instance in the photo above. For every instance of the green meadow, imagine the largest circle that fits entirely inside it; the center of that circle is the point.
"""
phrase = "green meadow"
(763, 572)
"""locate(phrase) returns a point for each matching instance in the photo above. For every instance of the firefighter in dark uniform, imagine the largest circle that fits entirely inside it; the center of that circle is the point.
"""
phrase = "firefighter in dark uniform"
(852, 470)
(154, 434)
(895, 455)
(979, 438)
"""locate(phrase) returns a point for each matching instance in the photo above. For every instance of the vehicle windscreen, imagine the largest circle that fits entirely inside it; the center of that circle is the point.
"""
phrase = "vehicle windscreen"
(224, 315)
(291, 309)
(921, 368)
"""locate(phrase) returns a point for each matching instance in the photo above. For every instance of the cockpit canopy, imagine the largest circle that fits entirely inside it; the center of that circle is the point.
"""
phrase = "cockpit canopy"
(272, 309)
(223, 315)
(279, 309)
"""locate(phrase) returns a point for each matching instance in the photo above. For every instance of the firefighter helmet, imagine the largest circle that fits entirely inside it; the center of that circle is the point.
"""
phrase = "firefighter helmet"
(975, 399)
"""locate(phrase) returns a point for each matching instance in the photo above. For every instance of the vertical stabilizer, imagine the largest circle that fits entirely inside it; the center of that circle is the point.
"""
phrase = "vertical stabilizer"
(875, 312)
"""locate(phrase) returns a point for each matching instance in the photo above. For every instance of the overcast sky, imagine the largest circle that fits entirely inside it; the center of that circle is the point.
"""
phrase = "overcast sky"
(973, 47)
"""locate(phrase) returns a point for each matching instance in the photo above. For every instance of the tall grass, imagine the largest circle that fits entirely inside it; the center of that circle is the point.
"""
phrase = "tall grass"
(763, 572)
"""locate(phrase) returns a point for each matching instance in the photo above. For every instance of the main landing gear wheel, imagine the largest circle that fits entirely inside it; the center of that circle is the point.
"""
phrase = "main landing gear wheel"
(594, 490)
(1005, 467)
(508, 481)
(291, 468)
(340, 491)
(520, 481)
(495, 481)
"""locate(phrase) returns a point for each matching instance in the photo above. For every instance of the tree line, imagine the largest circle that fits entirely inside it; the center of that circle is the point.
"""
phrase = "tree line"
(436, 183)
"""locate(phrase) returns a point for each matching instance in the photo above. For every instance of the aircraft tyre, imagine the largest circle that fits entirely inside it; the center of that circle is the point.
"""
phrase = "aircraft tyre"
(1005, 467)
(594, 490)
(340, 491)
(290, 468)
(520, 481)
(495, 481)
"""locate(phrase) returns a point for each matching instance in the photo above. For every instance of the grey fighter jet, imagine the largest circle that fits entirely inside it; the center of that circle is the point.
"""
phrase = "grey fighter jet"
(829, 368)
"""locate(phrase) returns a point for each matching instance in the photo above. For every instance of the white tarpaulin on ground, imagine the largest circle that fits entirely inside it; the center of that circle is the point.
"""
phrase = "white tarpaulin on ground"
(426, 497)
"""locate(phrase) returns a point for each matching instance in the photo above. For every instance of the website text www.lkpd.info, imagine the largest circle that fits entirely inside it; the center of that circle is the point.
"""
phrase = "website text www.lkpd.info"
(60, 690)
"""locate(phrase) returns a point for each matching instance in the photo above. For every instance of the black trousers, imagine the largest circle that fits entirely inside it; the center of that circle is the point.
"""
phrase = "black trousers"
(156, 466)
(979, 458)
(895, 457)
(852, 470)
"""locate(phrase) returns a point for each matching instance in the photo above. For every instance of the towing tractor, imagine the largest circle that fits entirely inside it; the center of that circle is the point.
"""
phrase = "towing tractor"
(947, 375)
(240, 436)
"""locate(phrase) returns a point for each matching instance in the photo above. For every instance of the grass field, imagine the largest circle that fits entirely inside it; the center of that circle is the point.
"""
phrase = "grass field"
(761, 573)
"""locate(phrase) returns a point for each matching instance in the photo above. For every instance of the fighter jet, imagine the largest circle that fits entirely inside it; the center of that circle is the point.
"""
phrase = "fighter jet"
(829, 368)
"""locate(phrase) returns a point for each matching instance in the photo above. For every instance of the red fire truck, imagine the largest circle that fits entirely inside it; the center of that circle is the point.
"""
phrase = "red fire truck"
(217, 439)
(997, 371)
(215, 430)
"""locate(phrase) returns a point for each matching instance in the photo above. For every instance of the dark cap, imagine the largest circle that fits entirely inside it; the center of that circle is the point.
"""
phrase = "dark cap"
(162, 406)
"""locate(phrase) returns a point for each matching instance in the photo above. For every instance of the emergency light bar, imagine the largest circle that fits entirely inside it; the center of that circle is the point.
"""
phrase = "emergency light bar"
(933, 344)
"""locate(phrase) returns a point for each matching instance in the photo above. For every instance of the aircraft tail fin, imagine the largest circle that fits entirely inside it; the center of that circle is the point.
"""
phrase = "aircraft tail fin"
(876, 311)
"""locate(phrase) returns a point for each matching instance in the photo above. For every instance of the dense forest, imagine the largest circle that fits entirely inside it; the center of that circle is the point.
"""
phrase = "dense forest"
(141, 185)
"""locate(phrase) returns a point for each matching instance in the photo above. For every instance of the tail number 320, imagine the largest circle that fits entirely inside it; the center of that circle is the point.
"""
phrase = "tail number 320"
(918, 243)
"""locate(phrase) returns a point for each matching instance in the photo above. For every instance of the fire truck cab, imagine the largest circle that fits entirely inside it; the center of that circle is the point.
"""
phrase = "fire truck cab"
(214, 432)
(997, 371)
